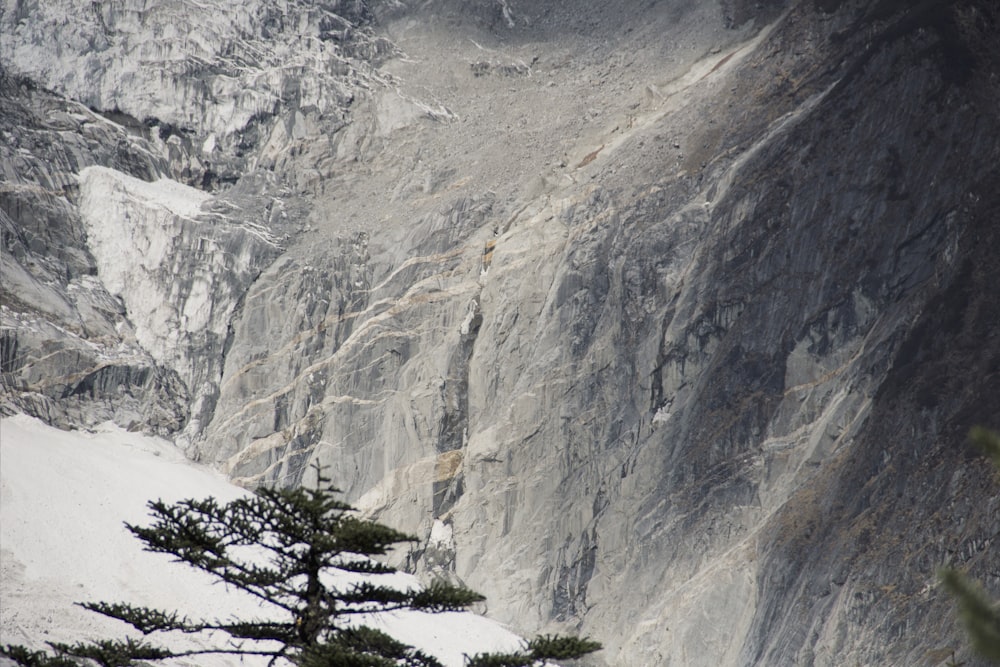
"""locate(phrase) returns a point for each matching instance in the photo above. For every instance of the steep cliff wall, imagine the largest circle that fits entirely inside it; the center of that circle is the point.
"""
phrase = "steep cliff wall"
(662, 321)
(69, 351)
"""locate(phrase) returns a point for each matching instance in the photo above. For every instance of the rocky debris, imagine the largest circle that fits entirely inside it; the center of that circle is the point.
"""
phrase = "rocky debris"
(212, 81)
(673, 338)
(487, 68)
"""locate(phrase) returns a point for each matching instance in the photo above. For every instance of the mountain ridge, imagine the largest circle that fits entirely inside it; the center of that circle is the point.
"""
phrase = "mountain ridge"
(681, 298)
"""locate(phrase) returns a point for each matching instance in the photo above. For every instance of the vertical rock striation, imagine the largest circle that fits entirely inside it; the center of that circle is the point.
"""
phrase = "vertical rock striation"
(69, 352)
(663, 322)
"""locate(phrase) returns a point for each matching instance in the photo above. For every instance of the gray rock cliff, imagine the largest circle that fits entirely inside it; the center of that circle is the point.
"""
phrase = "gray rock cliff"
(662, 322)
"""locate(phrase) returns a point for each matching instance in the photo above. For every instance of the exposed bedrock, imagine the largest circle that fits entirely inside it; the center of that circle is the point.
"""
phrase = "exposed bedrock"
(662, 322)
(69, 353)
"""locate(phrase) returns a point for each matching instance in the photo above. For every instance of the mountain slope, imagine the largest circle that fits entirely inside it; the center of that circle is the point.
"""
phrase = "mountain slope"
(669, 318)
(65, 498)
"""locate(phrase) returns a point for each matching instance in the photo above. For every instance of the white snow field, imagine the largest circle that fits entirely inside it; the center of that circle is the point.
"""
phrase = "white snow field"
(64, 496)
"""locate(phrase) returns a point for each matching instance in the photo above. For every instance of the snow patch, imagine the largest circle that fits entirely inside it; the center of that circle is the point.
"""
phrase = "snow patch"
(442, 535)
(662, 416)
(470, 316)
(65, 495)
(180, 270)
(181, 200)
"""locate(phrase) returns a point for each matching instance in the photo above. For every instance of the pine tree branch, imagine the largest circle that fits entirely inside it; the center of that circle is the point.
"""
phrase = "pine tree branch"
(302, 537)
(980, 617)
(143, 619)
(180, 534)
(228, 651)
(561, 647)
(988, 441)
(26, 657)
(539, 651)
(441, 596)
(362, 566)
(499, 660)
(109, 653)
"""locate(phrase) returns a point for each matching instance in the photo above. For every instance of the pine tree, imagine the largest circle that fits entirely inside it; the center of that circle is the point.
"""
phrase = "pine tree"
(980, 617)
(282, 546)
(539, 650)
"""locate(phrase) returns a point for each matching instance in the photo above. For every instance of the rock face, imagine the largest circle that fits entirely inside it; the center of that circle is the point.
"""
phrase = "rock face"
(664, 322)
(69, 352)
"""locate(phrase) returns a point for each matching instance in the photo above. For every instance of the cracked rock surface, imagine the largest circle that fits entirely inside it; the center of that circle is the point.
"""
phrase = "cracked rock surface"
(661, 322)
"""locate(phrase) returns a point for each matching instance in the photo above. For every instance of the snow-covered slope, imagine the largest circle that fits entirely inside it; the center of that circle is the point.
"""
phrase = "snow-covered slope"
(63, 499)
(663, 322)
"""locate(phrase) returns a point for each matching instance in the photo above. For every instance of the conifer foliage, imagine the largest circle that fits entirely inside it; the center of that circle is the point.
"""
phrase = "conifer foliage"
(978, 614)
(293, 549)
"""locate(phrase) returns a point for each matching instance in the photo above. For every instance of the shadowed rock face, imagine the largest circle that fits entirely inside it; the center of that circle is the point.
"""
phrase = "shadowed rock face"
(665, 322)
